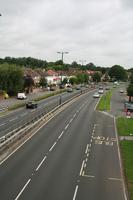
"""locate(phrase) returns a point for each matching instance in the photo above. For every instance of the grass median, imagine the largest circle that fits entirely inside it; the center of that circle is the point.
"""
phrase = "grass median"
(104, 103)
(125, 128)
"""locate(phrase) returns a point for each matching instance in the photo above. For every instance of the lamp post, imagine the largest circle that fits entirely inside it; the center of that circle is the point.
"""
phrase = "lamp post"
(82, 61)
(62, 54)
(62, 57)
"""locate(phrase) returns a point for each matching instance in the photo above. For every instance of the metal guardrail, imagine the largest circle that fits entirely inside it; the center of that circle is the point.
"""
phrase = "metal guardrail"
(22, 130)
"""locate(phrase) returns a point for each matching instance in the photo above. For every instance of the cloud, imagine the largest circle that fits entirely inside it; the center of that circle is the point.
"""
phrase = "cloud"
(97, 31)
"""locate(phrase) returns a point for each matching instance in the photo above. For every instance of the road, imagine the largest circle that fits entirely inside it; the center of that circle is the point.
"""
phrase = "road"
(21, 116)
(73, 157)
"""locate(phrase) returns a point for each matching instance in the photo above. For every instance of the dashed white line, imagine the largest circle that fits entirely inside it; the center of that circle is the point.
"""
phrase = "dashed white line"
(13, 119)
(22, 189)
(81, 168)
(2, 124)
(41, 163)
(52, 146)
(66, 126)
(61, 134)
(87, 148)
(71, 120)
(75, 193)
(23, 114)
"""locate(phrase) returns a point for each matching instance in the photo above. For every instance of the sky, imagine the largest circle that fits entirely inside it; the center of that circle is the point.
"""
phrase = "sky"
(97, 31)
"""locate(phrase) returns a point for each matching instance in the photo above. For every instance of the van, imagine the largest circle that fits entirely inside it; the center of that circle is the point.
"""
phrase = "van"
(21, 96)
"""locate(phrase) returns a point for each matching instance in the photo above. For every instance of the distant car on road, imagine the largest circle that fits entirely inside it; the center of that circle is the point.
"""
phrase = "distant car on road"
(128, 106)
(100, 91)
(96, 95)
(69, 89)
(31, 104)
(21, 96)
(121, 91)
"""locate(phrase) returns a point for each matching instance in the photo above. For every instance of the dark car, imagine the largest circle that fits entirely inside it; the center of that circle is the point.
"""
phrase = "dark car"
(31, 104)
(128, 106)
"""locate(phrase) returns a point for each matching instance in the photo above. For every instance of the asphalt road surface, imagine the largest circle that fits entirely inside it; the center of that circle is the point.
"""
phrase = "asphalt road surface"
(73, 157)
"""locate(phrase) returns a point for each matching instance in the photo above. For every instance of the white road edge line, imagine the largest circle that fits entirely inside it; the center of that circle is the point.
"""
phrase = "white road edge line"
(41, 163)
(75, 193)
(22, 189)
(52, 146)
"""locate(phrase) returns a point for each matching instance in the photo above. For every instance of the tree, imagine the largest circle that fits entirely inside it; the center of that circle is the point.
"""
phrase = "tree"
(11, 79)
(130, 91)
(96, 77)
(28, 84)
(43, 82)
(118, 73)
(73, 80)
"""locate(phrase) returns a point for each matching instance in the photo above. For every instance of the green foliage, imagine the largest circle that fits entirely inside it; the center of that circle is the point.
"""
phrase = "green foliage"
(43, 81)
(118, 73)
(104, 103)
(127, 156)
(96, 77)
(124, 126)
(11, 79)
(73, 80)
(130, 90)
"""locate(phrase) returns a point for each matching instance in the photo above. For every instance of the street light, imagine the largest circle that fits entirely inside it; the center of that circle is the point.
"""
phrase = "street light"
(62, 54)
(82, 61)
(62, 57)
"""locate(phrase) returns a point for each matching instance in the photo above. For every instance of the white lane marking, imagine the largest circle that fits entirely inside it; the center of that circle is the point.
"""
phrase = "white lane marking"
(87, 148)
(115, 179)
(74, 115)
(81, 168)
(52, 146)
(23, 114)
(71, 120)
(66, 126)
(22, 189)
(88, 176)
(89, 145)
(75, 193)
(2, 124)
(91, 140)
(41, 163)
(87, 154)
(13, 119)
(61, 134)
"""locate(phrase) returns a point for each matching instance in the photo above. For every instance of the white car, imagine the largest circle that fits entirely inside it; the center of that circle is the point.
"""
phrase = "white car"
(100, 91)
(96, 95)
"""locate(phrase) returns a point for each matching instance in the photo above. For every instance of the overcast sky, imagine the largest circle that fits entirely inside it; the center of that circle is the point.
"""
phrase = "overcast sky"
(98, 31)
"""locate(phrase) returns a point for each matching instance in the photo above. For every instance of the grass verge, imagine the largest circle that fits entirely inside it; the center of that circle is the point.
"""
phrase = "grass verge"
(124, 126)
(127, 157)
(104, 103)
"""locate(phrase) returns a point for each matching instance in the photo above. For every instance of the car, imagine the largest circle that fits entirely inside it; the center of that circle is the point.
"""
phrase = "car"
(107, 88)
(100, 91)
(31, 104)
(128, 106)
(78, 88)
(21, 96)
(121, 91)
(69, 89)
(96, 95)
